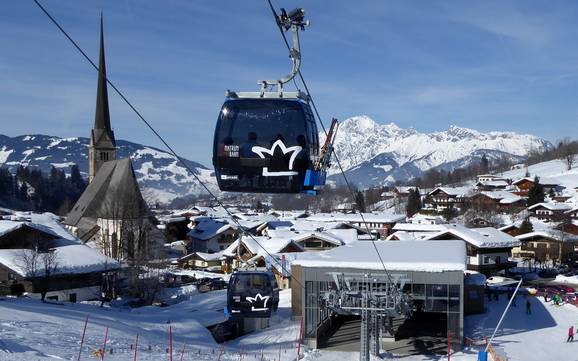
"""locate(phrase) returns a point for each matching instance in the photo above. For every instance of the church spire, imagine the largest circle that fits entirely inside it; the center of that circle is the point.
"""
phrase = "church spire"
(102, 116)
(102, 147)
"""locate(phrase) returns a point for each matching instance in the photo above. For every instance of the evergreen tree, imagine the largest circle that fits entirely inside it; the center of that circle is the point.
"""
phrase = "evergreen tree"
(536, 193)
(413, 202)
(360, 201)
(484, 165)
(526, 226)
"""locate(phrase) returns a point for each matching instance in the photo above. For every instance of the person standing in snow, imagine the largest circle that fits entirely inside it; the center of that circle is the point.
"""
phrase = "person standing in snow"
(570, 334)
(528, 308)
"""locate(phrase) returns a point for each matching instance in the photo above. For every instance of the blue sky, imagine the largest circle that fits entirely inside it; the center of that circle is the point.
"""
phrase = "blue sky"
(487, 65)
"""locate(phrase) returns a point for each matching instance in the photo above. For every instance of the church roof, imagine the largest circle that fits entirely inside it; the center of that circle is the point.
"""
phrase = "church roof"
(102, 131)
(112, 194)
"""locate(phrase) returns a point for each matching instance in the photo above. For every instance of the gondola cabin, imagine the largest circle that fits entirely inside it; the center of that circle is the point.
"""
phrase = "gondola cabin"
(252, 294)
(266, 143)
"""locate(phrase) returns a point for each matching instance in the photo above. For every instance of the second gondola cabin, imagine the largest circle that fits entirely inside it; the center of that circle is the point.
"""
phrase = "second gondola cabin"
(252, 294)
(265, 143)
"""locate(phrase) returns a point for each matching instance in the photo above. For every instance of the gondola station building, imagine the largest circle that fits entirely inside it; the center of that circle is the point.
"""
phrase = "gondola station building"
(431, 273)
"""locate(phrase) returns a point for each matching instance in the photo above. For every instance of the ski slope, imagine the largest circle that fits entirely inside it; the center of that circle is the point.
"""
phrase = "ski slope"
(31, 330)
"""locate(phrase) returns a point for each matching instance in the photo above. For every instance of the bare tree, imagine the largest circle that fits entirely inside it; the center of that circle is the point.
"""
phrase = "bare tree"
(567, 151)
(39, 265)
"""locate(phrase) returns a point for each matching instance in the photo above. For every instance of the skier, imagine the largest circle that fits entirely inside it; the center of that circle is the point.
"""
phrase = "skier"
(528, 308)
(570, 334)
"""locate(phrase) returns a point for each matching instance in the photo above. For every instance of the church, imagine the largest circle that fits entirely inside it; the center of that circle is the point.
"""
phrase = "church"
(111, 214)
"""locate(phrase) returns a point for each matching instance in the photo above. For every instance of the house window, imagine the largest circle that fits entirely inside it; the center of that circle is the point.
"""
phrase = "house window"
(72, 297)
(486, 260)
(11, 276)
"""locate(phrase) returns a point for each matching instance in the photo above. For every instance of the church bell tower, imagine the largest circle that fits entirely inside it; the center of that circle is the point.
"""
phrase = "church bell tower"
(102, 147)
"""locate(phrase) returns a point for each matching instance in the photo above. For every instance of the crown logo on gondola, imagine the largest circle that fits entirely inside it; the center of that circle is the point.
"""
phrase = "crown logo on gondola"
(279, 145)
(258, 298)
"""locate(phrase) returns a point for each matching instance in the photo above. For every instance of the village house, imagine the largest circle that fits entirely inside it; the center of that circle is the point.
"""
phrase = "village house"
(544, 246)
(376, 223)
(496, 201)
(549, 211)
(211, 235)
(523, 185)
(213, 262)
(41, 257)
(486, 182)
(487, 248)
(448, 197)
(266, 252)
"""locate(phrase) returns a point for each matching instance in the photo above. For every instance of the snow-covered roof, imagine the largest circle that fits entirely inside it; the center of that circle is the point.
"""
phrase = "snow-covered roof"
(503, 197)
(72, 256)
(208, 228)
(427, 256)
(419, 218)
(7, 226)
(552, 206)
(494, 183)
(487, 237)
(454, 191)
(416, 227)
(260, 245)
(205, 256)
(552, 235)
(377, 217)
(543, 181)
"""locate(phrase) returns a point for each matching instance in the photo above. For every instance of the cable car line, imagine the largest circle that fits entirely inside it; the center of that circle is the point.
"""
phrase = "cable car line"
(326, 134)
(170, 149)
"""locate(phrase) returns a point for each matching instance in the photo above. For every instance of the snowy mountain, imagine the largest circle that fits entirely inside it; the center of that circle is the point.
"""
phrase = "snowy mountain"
(371, 154)
(159, 174)
(374, 153)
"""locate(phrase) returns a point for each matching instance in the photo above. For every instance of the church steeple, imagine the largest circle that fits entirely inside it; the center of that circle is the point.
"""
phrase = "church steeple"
(102, 116)
(102, 146)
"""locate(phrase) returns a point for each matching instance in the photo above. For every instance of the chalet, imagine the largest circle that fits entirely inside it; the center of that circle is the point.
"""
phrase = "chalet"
(316, 240)
(419, 218)
(496, 200)
(487, 249)
(376, 223)
(549, 211)
(523, 185)
(447, 197)
(484, 178)
(491, 183)
(546, 246)
(214, 262)
(28, 249)
(263, 252)
(211, 235)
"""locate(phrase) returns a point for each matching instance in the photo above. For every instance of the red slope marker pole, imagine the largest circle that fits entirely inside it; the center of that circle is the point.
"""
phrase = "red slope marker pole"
(300, 337)
(171, 341)
(82, 338)
(104, 344)
(135, 347)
